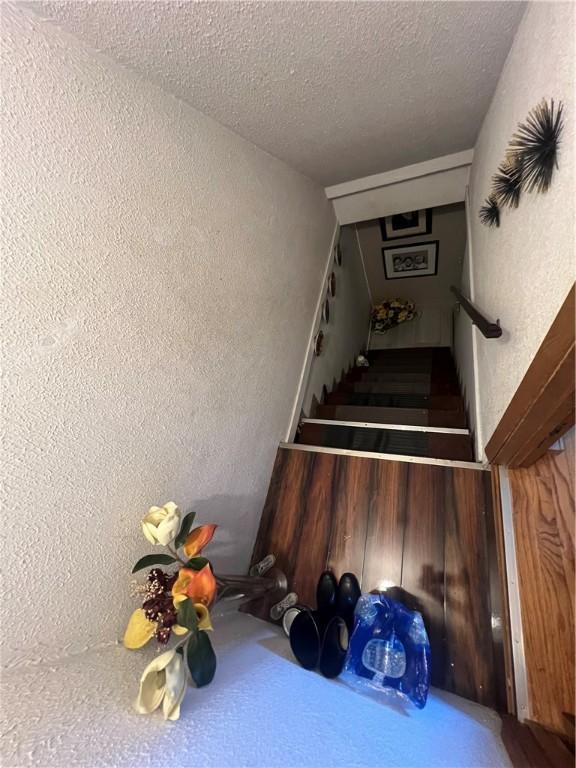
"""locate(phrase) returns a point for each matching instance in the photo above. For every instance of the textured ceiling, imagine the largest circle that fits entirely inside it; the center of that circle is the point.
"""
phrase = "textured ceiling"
(339, 90)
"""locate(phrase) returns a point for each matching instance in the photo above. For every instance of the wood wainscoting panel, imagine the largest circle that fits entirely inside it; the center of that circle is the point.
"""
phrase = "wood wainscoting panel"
(469, 637)
(423, 555)
(314, 525)
(288, 491)
(349, 515)
(385, 533)
(416, 529)
(543, 513)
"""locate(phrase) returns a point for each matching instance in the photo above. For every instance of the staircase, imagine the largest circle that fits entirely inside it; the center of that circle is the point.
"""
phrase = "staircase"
(407, 402)
(381, 481)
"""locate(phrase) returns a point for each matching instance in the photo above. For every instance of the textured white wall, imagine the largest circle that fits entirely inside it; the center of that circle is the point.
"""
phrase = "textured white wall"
(524, 270)
(160, 276)
(347, 331)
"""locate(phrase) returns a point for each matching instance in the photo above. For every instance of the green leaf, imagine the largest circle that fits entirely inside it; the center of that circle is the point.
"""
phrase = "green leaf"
(187, 615)
(201, 660)
(187, 524)
(197, 563)
(158, 559)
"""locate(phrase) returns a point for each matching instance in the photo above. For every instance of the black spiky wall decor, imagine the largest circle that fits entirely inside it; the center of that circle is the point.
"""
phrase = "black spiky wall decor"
(507, 182)
(535, 144)
(490, 213)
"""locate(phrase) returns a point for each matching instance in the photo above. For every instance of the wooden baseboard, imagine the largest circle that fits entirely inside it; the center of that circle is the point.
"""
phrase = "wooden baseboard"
(531, 746)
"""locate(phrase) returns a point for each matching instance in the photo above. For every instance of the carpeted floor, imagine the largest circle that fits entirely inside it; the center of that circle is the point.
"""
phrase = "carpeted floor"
(262, 710)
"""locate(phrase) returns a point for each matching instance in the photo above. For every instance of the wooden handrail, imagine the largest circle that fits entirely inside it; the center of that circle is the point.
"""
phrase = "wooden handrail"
(486, 328)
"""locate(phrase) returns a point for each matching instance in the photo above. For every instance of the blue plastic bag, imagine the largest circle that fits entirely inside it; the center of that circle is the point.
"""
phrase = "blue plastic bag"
(389, 648)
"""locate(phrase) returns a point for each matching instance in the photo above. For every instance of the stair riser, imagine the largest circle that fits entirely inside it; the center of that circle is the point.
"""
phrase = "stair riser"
(432, 445)
(393, 400)
(365, 375)
(399, 367)
(419, 526)
(415, 416)
(389, 387)
(410, 353)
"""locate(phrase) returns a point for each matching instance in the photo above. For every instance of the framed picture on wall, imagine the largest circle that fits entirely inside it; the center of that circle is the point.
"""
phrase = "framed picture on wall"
(409, 224)
(415, 260)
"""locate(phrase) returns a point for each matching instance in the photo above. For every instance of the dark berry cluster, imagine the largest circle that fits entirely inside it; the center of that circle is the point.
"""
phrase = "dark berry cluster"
(158, 605)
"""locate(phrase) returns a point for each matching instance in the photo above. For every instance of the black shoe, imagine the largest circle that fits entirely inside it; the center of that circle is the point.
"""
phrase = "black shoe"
(334, 648)
(326, 594)
(305, 640)
(320, 637)
(347, 596)
(308, 627)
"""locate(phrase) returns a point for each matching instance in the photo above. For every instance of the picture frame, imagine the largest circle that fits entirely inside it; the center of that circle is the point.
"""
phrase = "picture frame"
(411, 260)
(408, 224)
(332, 285)
(338, 255)
(318, 343)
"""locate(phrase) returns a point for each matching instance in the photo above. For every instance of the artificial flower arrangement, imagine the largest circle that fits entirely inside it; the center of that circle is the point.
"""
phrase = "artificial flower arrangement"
(174, 603)
(390, 313)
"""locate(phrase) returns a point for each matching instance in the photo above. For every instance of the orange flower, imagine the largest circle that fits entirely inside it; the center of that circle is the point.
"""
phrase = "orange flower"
(198, 539)
(200, 586)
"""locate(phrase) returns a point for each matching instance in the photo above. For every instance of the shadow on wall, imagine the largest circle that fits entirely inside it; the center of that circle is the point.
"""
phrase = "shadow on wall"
(245, 511)
(346, 329)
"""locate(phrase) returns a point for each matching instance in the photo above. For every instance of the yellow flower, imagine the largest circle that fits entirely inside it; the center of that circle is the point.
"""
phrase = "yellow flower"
(139, 630)
(202, 614)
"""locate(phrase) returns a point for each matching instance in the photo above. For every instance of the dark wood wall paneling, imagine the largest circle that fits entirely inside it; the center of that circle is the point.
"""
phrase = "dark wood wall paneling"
(419, 527)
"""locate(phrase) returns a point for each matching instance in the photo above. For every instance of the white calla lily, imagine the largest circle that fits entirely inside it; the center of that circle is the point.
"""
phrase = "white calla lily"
(176, 684)
(163, 682)
(161, 524)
